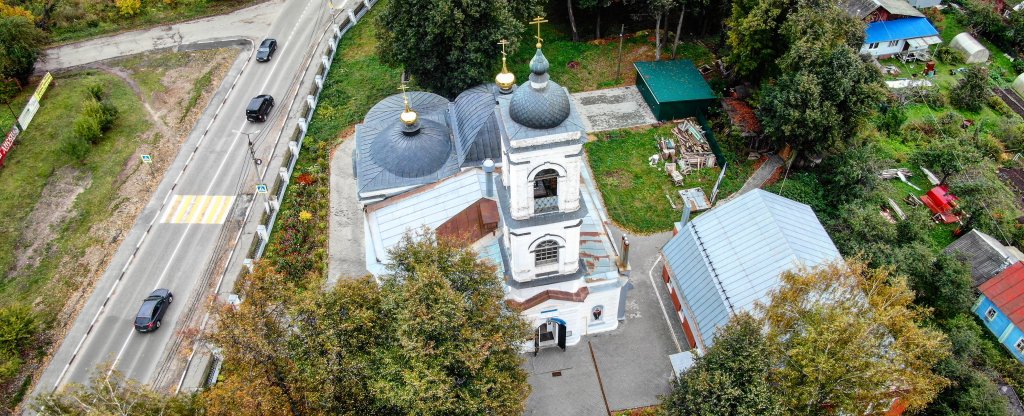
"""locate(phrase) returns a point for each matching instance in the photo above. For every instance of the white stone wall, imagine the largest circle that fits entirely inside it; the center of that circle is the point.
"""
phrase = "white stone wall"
(578, 316)
(519, 172)
(520, 248)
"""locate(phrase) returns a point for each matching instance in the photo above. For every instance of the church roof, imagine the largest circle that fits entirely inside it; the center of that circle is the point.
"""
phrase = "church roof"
(539, 103)
(475, 125)
(388, 159)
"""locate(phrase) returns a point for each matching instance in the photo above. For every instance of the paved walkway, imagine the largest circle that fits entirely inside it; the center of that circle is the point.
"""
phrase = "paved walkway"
(249, 23)
(613, 108)
(761, 175)
(346, 244)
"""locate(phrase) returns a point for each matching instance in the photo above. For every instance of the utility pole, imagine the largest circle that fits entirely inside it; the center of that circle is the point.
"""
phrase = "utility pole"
(252, 150)
(618, 68)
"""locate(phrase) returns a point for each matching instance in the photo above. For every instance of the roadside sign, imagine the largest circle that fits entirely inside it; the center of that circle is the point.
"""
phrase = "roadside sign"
(147, 159)
(8, 143)
(33, 103)
(261, 188)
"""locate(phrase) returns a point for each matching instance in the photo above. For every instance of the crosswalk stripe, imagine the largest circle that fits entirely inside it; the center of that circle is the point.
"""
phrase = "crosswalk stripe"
(198, 209)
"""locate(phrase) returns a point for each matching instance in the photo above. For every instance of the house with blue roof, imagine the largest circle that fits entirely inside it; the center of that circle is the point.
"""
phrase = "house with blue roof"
(893, 27)
(729, 258)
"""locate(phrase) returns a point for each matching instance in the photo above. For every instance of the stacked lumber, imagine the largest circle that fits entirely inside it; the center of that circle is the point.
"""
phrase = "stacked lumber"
(894, 173)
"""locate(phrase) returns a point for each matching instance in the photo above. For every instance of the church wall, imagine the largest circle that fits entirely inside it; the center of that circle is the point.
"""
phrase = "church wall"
(578, 316)
(523, 167)
(521, 243)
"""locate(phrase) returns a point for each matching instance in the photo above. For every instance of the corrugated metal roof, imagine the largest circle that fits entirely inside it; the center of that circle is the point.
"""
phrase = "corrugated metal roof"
(858, 9)
(430, 207)
(732, 256)
(673, 81)
(1006, 291)
(982, 252)
(900, 7)
(909, 28)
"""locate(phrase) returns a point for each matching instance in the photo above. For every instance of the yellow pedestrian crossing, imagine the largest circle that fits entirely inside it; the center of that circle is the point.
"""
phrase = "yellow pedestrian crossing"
(198, 209)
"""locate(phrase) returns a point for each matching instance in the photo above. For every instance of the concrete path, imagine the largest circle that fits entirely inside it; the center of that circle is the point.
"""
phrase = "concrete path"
(249, 23)
(613, 108)
(761, 175)
(346, 245)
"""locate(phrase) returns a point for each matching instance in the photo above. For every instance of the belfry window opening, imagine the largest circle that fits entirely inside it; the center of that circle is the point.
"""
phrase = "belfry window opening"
(546, 253)
(545, 191)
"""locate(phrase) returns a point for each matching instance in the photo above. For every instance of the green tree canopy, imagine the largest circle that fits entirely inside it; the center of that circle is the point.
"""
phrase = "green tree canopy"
(21, 44)
(753, 41)
(449, 46)
(731, 378)
(434, 337)
(948, 157)
(971, 92)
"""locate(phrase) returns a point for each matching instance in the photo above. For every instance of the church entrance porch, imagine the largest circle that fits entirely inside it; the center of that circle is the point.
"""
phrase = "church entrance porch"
(549, 334)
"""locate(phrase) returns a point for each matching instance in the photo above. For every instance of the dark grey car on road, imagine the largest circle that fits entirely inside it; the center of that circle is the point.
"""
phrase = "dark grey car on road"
(266, 50)
(152, 310)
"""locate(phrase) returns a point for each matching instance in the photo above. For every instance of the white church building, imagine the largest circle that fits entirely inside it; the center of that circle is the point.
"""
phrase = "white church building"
(501, 169)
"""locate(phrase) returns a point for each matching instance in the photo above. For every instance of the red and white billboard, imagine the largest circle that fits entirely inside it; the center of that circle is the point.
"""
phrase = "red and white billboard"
(8, 143)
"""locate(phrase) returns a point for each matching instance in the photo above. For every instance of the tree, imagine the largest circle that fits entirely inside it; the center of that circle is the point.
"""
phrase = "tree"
(21, 44)
(732, 378)
(946, 288)
(971, 91)
(848, 340)
(851, 175)
(753, 41)
(449, 46)
(947, 156)
(819, 107)
(433, 337)
(987, 202)
(114, 394)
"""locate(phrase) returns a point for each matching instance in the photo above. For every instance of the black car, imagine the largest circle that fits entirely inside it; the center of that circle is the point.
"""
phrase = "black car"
(152, 310)
(266, 50)
(259, 107)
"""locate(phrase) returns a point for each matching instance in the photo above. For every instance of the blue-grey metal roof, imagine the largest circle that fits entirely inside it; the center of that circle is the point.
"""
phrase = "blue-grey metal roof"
(513, 131)
(733, 255)
(475, 125)
(388, 160)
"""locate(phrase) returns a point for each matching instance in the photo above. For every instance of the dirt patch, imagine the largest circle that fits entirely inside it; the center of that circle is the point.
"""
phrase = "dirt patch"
(53, 208)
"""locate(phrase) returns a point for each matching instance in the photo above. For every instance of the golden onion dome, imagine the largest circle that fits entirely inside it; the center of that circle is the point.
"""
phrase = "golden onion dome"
(505, 79)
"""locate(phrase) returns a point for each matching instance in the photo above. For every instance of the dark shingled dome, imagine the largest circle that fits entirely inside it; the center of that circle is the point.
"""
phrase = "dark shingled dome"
(539, 108)
(412, 156)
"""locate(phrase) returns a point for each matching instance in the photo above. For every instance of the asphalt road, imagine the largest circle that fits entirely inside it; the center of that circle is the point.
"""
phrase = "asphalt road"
(186, 216)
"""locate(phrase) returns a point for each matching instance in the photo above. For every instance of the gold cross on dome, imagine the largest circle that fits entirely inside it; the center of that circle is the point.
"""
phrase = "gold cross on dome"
(405, 96)
(503, 42)
(537, 21)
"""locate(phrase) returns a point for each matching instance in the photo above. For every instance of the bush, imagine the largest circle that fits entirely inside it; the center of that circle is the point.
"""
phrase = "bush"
(892, 119)
(1011, 133)
(87, 128)
(999, 106)
(18, 328)
(76, 148)
(948, 55)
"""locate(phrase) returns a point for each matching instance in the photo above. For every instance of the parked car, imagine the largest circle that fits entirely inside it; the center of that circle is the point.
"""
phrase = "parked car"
(266, 50)
(152, 310)
(259, 107)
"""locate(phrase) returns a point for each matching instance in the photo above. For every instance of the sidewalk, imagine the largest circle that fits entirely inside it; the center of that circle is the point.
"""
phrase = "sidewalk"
(761, 175)
(249, 23)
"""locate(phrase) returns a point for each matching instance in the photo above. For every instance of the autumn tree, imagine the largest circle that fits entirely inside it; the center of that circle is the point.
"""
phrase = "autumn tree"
(449, 46)
(731, 378)
(848, 340)
(114, 394)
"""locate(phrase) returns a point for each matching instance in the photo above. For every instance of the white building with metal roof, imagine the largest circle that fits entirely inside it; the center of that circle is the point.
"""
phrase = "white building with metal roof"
(727, 259)
(501, 169)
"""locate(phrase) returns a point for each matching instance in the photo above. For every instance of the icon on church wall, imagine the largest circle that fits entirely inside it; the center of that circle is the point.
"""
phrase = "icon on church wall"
(597, 312)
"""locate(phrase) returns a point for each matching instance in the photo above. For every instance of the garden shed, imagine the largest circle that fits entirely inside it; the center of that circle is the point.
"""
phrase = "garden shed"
(673, 89)
(973, 50)
(1018, 85)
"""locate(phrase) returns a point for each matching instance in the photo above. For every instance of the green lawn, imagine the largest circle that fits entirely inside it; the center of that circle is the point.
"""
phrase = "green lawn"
(636, 194)
(598, 60)
(35, 157)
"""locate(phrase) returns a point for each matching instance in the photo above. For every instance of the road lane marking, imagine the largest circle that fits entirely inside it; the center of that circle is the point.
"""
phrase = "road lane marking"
(199, 209)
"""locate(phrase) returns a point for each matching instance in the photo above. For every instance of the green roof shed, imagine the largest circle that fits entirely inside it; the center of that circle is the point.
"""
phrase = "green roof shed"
(673, 89)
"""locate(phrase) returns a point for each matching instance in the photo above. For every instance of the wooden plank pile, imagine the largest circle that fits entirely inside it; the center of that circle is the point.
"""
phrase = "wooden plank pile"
(894, 173)
(693, 150)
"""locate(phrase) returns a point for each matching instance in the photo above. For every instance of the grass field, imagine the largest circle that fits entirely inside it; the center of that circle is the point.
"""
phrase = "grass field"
(636, 194)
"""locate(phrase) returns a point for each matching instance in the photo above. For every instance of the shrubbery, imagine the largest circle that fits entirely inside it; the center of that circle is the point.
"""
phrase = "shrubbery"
(18, 327)
(972, 90)
(948, 55)
(97, 117)
(999, 106)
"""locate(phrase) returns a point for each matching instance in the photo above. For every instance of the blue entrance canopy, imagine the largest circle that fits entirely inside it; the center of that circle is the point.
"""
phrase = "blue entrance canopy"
(909, 28)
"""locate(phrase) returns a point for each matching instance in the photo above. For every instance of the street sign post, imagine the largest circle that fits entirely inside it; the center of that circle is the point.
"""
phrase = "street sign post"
(147, 159)
(261, 188)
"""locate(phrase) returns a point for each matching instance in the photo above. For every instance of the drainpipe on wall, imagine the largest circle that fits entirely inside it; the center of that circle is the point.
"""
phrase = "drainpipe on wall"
(489, 170)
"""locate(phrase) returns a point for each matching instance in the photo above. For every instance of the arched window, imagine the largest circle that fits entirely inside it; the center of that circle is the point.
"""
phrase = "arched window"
(546, 253)
(545, 191)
